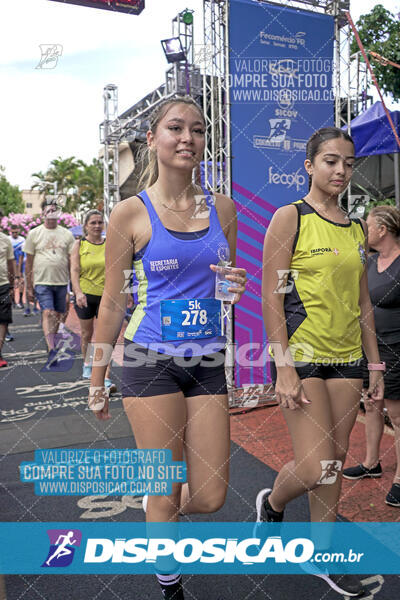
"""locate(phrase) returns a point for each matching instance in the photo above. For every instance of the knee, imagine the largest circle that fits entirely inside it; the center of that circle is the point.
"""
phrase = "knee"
(165, 505)
(209, 502)
(310, 476)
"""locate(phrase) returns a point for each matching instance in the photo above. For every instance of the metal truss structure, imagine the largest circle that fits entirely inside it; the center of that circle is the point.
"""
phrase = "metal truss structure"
(133, 123)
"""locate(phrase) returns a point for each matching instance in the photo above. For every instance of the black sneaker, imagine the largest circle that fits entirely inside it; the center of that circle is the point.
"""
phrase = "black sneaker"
(361, 472)
(265, 512)
(393, 497)
(348, 585)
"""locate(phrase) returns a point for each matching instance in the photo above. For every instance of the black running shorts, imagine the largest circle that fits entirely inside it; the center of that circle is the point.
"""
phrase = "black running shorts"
(390, 353)
(89, 311)
(149, 373)
(5, 305)
(353, 370)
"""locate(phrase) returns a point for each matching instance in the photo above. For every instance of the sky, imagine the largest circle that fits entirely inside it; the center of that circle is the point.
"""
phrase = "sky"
(47, 113)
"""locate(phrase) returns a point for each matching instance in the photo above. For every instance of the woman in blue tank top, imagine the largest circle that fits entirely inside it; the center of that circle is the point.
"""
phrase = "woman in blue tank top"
(173, 382)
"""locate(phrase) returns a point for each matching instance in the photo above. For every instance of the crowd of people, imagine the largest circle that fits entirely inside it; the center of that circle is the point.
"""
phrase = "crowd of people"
(343, 279)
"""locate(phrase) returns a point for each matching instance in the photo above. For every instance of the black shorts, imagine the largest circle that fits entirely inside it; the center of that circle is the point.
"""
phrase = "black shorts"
(391, 355)
(149, 373)
(353, 370)
(5, 305)
(92, 308)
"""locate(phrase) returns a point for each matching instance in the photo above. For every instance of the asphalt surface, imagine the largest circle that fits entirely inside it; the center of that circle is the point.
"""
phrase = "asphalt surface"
(42, 408)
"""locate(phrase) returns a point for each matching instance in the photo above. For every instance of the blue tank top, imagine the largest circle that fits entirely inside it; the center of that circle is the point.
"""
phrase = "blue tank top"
(178, 270)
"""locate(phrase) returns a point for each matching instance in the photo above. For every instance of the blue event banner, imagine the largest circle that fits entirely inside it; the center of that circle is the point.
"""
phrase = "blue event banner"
(218, 548)
(280, 92)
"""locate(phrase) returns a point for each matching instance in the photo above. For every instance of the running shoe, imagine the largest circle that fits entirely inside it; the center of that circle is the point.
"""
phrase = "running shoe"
(35, 311)
(20, 305)
(265, 512)
(9, 337)
(87, 371)
(27, 312)
(3, 363)
(348, 585)
(393, 497)
(110, 386)
(361, 472)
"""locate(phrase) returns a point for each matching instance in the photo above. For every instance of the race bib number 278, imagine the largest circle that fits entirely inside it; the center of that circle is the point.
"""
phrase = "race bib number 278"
(190, 319)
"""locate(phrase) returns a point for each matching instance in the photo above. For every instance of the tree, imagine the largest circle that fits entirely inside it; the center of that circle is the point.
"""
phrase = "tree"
(82, 184)
(89, 182)
(10, 196)
(379, 31)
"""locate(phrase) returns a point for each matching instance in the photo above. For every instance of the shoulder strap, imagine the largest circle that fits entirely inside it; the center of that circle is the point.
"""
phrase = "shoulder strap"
(144, 197)
(296, 237)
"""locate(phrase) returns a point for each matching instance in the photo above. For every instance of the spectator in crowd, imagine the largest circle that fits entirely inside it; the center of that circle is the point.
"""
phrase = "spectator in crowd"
(87, 278)
(7, 278)
(384, 288)
(17, 242)
(48, 248)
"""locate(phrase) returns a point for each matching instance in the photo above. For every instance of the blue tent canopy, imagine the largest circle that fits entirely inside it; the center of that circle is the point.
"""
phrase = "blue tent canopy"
(372, 133)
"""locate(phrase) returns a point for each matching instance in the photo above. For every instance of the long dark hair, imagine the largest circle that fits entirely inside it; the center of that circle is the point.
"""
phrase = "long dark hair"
(321, 136)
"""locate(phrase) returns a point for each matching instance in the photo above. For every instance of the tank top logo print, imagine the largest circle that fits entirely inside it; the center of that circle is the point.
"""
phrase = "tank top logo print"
(321, 251)
(167, 264)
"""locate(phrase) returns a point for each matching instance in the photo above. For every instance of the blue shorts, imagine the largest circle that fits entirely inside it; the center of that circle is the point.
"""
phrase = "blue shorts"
(52, 297)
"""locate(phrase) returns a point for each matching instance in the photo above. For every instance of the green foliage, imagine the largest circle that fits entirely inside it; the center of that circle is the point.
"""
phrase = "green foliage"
(373, 203)
(82, 184)
(380, 32)
(10, 196)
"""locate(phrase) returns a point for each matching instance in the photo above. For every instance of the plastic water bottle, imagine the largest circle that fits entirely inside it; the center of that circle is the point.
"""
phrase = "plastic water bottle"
(222, 284)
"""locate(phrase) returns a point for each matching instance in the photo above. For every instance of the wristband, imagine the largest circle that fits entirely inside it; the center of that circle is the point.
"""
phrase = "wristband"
(381, 366)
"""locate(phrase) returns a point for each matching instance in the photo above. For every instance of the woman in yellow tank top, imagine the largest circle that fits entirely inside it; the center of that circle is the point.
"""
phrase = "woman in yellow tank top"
(318, 316)
(87, 278)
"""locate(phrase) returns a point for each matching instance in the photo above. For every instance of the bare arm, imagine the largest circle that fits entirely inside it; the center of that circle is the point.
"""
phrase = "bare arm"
(119, 252)
(12, 271)
(277, 256)
(228, 218)
(75, 270)
(368, 334)
(29, 276)
(75, 267)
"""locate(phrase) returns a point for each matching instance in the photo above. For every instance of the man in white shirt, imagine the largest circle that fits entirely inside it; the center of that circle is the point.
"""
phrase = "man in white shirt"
(48, 248)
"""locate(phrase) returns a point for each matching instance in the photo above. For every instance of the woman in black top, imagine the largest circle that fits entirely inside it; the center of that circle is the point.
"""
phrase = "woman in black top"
(384, 287)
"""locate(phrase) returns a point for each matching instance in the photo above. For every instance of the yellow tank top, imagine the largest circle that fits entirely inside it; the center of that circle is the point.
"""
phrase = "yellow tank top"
(92, 262)
(322, 294)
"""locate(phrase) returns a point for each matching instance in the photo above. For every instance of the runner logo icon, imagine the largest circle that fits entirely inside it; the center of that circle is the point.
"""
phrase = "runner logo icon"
(62, 547)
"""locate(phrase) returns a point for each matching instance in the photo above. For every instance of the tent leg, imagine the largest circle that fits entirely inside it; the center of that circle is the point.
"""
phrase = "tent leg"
(396, 178)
